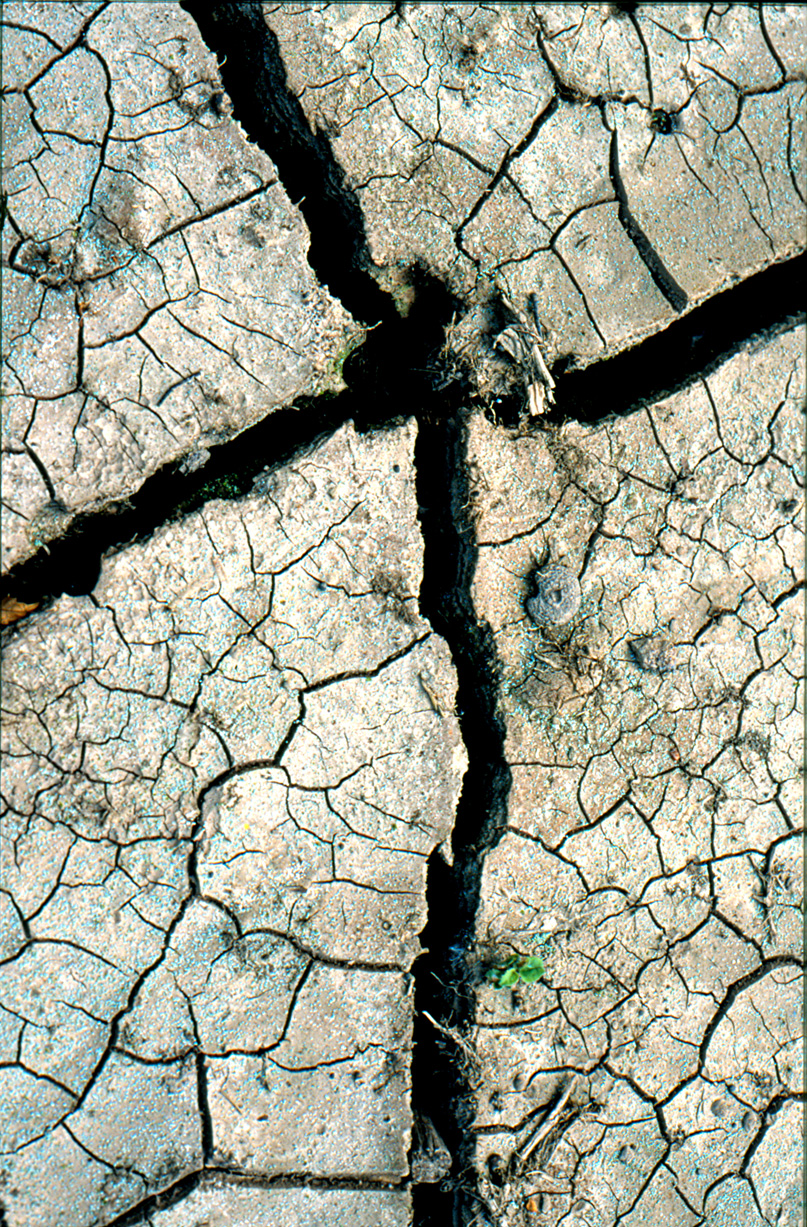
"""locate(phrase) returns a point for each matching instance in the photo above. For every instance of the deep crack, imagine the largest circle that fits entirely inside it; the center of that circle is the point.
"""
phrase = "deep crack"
(762, 306)
(442, 1087)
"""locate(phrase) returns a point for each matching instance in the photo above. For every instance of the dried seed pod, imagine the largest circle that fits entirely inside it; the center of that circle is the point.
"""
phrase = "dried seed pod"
(557, 597)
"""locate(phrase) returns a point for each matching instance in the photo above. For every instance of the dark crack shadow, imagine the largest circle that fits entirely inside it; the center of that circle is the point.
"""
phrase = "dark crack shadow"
(222, 1178)
(397, 373)
(72, 564)
(444, 983)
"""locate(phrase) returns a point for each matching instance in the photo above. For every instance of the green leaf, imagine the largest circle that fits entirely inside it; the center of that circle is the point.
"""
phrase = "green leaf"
(508, 977)
(532, 970)
(532, 960)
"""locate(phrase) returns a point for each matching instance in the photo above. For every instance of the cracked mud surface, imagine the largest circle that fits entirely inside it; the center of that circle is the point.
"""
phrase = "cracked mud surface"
(157, 297)
(619, 166)
(226, 774)
(340, 881)
(654, 746)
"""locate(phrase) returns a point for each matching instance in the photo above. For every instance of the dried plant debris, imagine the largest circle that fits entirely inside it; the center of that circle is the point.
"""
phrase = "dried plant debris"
(520, 341)
(11, 610)
(619, 166)
(431, 1158)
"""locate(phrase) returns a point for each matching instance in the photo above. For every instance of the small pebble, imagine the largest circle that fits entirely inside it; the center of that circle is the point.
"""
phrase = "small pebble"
(651, 655)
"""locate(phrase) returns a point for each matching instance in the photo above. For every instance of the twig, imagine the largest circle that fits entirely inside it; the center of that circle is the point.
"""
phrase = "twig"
(521, 343)
(544, 1129)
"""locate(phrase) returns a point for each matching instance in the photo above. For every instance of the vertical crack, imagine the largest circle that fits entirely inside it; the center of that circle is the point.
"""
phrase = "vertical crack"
(397, 372)
(763, 29)
(648, 72)
(206, 1120)
(444, 974)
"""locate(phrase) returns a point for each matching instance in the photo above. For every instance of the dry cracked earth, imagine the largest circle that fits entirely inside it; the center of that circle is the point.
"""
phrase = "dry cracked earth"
(403, 553)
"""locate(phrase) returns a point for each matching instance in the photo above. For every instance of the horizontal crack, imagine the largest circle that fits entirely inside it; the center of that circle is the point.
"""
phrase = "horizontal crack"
(72, 563)
(396, 371)
(764, 305)
(217, 1176)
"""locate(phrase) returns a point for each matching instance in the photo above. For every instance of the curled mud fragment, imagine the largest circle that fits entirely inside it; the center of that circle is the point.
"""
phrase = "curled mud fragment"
(557, 597)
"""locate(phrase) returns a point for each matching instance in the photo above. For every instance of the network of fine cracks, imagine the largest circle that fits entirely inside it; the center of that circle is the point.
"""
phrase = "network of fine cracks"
(224, 856)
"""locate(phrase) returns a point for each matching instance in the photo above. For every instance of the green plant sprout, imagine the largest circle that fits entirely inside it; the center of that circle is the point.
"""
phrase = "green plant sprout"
(520, 969)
